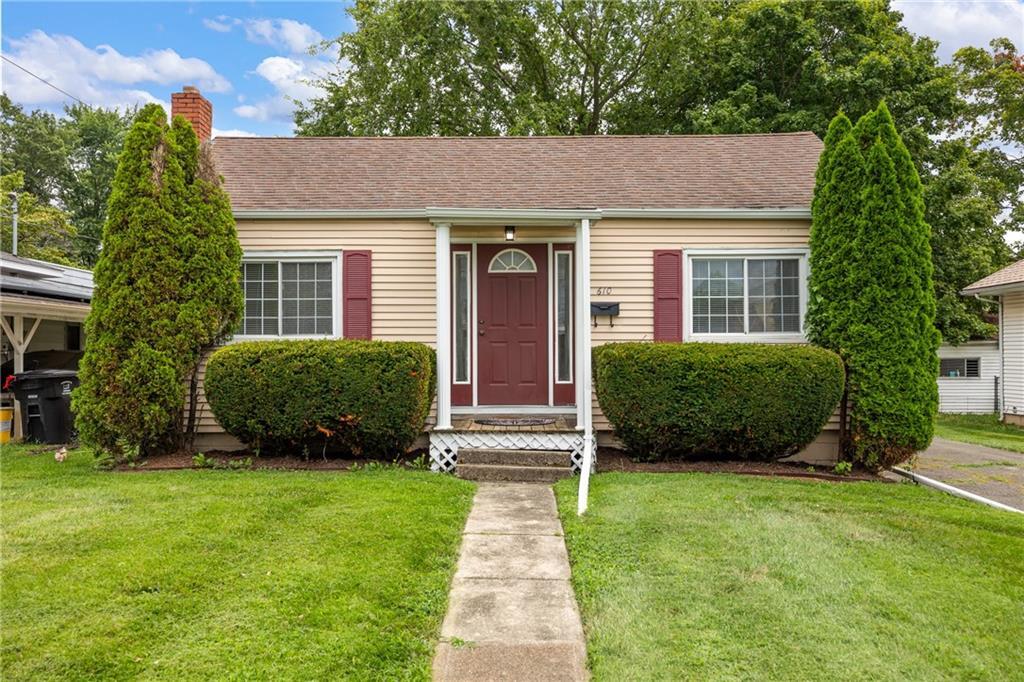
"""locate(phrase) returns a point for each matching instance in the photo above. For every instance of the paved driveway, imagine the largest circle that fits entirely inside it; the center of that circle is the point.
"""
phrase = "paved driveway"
(995, 474)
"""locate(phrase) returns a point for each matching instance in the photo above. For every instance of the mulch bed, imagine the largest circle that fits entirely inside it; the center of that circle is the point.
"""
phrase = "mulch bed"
(183, 460)
(609, 459)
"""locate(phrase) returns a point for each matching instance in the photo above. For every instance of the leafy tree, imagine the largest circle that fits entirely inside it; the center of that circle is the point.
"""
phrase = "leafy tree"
(155, 306)
(68, 162)
(32, 144)
(44, 232)
(93, 138)
(481, 68)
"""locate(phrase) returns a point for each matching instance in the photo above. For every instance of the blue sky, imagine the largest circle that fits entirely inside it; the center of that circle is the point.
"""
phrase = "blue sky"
(250, 60)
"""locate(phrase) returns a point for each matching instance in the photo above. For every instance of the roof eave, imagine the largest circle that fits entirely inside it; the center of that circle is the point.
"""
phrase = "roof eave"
(499, 215)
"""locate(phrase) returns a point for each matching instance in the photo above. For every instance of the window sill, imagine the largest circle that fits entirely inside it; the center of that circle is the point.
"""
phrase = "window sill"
(238, 338)
(748, 338)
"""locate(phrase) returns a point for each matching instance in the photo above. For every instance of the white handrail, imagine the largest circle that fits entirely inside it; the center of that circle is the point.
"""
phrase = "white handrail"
(583, 245)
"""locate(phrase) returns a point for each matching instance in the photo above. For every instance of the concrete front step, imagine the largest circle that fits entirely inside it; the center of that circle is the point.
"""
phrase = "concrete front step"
(503, 472)
(531, 458)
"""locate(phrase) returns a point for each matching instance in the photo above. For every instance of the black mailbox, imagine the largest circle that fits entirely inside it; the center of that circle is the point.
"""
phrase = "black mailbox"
(609, 309)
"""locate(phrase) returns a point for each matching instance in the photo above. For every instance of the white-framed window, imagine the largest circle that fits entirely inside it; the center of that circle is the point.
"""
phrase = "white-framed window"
(512, 260)
(960, 368)
(563, 317)
(737, 294)
(291, 295)
(461, 327)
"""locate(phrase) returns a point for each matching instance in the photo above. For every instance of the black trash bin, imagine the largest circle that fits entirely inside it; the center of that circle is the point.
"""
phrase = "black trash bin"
(45, 398)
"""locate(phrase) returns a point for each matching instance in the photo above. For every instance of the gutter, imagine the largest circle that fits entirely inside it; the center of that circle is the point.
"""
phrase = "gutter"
(953, 490)
(452, 214)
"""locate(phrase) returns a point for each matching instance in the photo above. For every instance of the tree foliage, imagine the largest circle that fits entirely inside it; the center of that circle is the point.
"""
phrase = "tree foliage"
(872, 297)
(166, 288)
(44, 232)
(68, 162)
(711, 66)
(483, 68)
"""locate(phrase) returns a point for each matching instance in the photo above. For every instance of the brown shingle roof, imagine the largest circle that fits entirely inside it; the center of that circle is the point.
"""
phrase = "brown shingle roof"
(678, 171)
(1011, 274)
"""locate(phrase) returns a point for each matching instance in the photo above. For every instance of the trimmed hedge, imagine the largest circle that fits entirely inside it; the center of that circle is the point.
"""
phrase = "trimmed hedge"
(738, 400)
(365, 397)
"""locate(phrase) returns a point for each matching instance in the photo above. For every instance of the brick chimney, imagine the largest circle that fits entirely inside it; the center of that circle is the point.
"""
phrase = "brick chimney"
(195, 108)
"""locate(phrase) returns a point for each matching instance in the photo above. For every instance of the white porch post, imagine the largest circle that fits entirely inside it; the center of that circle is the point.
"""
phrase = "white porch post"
(584, 414)
(444, 328)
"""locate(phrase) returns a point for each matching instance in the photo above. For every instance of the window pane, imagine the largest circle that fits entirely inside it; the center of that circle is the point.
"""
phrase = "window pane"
(462, 317)
(259, 287)
(563, 307)
(307, 299)
(773, 299)
(717, 286)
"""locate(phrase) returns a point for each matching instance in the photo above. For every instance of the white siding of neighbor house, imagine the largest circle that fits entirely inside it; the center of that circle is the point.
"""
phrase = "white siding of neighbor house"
(971, 394)
(1013, 356)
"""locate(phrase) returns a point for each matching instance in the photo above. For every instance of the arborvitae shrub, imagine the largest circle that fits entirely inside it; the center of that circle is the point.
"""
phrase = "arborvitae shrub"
(738, 400)
(361, 397)
(166, 287)
(871, 293)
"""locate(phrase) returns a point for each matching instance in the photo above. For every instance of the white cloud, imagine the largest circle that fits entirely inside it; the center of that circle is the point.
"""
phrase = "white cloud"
(100, 75)
(233, 132)
(218, 25)
(292, 78)
(959, 23)
(294, 37)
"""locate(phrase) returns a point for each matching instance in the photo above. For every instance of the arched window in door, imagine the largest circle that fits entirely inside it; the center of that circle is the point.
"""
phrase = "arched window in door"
(512, 260)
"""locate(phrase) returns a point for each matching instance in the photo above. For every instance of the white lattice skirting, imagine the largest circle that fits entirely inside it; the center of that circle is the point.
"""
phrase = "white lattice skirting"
(444, 445)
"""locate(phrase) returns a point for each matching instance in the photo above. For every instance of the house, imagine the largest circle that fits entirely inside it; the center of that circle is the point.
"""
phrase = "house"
(514, 255)
(1006, 287)
(969, 377)
(43, 307)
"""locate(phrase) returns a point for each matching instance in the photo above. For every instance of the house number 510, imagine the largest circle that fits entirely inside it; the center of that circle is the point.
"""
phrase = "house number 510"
(604, 291)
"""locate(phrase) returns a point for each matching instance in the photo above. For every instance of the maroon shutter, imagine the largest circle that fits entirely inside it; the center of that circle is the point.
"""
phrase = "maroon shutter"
(668, 295)
(357, 297)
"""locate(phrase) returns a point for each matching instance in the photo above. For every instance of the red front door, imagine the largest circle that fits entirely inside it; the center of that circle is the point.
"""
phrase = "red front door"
(512, 324)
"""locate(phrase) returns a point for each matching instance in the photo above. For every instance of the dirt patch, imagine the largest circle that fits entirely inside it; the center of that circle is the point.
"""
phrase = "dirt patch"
(614, 460)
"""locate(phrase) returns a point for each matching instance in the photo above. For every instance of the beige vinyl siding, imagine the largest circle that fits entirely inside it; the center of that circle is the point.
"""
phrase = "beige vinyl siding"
(402, 275)
(622, 261)
(1013, 356)
(971, 394)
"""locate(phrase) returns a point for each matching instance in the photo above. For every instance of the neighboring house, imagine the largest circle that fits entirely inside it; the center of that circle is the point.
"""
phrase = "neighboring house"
(1007, 287)
(969, 377)
(42, 308)
(514, 255)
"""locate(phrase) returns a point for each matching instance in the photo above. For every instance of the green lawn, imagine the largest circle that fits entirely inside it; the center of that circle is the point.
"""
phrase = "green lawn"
(220, 574)
(980, 429)
(702, 576)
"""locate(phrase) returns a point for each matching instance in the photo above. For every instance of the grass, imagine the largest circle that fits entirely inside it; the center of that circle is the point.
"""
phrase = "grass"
(719, 577)
(980, 429)
(222, 574)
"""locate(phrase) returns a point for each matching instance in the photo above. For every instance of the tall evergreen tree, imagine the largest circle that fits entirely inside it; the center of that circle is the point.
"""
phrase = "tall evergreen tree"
(892, 343)
(155, 306)
(833, 229)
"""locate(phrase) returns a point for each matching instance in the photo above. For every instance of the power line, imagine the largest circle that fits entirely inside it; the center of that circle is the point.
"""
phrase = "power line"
(40, 78)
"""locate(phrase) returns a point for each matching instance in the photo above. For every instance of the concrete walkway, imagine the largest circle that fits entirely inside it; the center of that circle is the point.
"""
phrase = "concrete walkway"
(995, 474)
(512, 613)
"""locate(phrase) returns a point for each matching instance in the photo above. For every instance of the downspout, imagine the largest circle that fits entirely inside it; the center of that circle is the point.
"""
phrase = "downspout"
(998, 302)
(583, 246)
